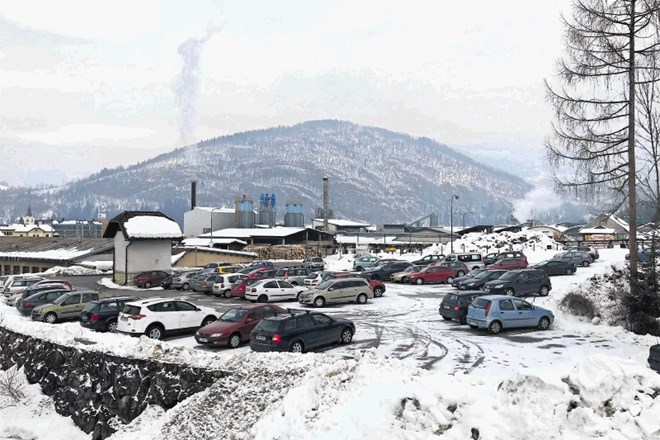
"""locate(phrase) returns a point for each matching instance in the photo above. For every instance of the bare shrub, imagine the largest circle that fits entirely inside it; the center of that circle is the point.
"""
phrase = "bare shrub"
(579, 305)
(11, 385)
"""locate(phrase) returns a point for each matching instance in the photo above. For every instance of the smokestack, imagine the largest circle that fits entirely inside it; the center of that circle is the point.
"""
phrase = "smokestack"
(325, 203)
(193, 194)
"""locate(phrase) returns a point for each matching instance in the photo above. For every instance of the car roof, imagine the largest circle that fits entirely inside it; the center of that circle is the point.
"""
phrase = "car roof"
(149, 301)
(115, 298)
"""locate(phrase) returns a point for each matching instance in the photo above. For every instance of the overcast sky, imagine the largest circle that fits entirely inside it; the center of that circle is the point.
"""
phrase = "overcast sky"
(115, 84)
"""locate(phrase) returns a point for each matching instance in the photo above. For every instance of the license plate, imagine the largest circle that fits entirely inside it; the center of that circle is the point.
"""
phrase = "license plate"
(445, 307)
(472, 322)
(202, 340)
(260, 338)
(124, 318)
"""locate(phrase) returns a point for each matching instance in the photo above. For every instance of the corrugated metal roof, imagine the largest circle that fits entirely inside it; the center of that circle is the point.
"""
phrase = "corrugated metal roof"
(52, 248)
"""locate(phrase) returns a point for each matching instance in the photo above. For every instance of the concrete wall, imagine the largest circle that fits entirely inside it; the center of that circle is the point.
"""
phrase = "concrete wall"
(198, 221)
(200, 258)
(143, 255)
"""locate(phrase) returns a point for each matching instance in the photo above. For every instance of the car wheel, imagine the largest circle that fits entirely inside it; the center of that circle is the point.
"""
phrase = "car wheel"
(262, 299)
(404, 279)
(185, 286)
(585, 263)
(569, 271)
(319, 301)
(446, 318)
(460, 273)
(147, 285)
(362, 298)
(449, 280)
(544, 291)
(544, 323)
(509, 292)
(298, 297)
(154, 332)
(346, 336)
(419, 281)
(495, 327)
(208, 320)
(227, 293)
(111, 326)
(297, 347)
(359, 268)
(50, 318)
(234, 340)
(378, 292)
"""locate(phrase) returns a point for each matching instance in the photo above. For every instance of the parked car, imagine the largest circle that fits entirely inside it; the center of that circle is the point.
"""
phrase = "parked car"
(364, 262)
(229, 269)
(150, 278)
(26, 305)
(377, 287)
(314, 278)
(204, 283)
(428, 259)
(588, 249)
(314, 263)
(66, 306)
(273, 290)
(643, 255)
(215, 265)
(101, 315)
(509, 263)
(384, 270)
(467, 276)
(338, 290)
(300, 332)
(224, 282)
(167, 282)
(157, 317)
(480, 279)
(53, 281)
(460, 269)
(577, 258)
(256, 264)
(654, 357)
(472, 260)
(14, 284)
(490, 258)
(503, 255)
(262, 273)
(240, 286)
(523, 282)
(235, 325)
(19, 295)
(402, 277)
(182, 280)
(497, 312)
(295, 276)
(555, 267)
(455, 305)
(433, 274)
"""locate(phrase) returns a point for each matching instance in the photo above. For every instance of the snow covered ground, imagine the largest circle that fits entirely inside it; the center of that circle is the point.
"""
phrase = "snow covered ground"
(409, 375)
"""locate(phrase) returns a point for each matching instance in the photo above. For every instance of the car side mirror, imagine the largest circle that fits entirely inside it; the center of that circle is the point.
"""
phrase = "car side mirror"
(331, 289)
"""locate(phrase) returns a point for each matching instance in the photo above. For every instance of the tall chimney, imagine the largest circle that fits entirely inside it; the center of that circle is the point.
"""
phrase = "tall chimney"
(193, 194)
(325, 203)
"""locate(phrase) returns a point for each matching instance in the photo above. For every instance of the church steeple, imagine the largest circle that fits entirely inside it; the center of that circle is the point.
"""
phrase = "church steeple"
(29, 213)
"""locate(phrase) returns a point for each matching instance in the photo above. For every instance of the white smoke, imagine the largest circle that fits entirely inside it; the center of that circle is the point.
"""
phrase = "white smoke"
(186, 86)
(535, 202)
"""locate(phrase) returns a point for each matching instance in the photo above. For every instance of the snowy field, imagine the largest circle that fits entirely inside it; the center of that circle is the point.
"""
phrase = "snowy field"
(408, 374)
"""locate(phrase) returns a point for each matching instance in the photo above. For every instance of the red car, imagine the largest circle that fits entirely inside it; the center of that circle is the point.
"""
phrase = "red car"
(432, 274)
(235, 325)
(510, 264)
(262, 273)
(377, 287)
(150, 279)
(239, 286)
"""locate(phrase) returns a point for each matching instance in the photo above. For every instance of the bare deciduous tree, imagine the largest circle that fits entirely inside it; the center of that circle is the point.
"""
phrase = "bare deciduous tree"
(612, 48)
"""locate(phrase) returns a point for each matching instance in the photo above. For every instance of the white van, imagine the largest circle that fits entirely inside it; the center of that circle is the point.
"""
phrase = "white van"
(473, 260)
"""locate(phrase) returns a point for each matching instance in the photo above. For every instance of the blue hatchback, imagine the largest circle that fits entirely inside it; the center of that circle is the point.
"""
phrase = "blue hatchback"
(495, 312)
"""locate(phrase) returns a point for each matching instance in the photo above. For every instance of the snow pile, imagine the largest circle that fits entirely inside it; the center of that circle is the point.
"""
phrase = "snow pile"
(73, 271)
(149, 226)
(107, 282)
(524, 240)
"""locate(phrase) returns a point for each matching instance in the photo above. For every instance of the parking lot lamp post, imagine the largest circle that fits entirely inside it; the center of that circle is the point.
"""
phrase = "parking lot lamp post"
(451, 223)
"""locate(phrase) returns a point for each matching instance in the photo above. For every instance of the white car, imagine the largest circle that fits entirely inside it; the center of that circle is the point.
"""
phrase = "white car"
(222, 285)
(156, 317)
(273, 290)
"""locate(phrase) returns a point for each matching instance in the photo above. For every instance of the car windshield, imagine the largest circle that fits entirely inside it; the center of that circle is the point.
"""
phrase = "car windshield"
(324, 285)
(542, 263)
(268, 325)
(90, 306)
(233, 315)
(509, 276)
(482, 275)
(61, 299)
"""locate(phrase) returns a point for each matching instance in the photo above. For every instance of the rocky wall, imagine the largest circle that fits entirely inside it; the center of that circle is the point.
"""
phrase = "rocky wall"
(98, 390)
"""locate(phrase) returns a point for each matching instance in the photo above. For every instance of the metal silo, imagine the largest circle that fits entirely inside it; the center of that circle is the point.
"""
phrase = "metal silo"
(294, 214)
(267, 209)
(244, 212)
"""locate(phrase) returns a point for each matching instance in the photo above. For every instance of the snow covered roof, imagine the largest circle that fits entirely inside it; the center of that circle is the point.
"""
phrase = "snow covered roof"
(280, 231)
(344, 223)
(215, 251)
(143, 225)
(597, 231)
(354, 239)
(27, 228)
(52, 248)
(210, 241)
(214, 210)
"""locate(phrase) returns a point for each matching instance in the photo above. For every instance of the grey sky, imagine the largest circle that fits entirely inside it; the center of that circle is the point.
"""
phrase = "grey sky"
(84, 86)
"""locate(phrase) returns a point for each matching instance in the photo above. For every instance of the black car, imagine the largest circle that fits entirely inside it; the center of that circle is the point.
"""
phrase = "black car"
(432, 258)
(522, 282)
(101, 315)
(299, 331)
(478, 281)
(556, 267)
(37, 288)
(384, 271)
(315, 263)
(455, 305)
(25, 305)
(470, 274)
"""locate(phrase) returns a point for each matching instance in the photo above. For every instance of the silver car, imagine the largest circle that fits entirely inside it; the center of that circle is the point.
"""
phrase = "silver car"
(338, 290)
(182, 281)
(295, 276)
(578, 258)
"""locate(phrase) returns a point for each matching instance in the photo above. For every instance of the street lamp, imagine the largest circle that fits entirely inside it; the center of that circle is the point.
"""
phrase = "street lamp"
(451, 223)
(464, 214)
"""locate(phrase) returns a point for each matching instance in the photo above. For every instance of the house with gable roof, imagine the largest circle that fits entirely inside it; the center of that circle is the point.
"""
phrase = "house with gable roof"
(142, 242)
(605, 227)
